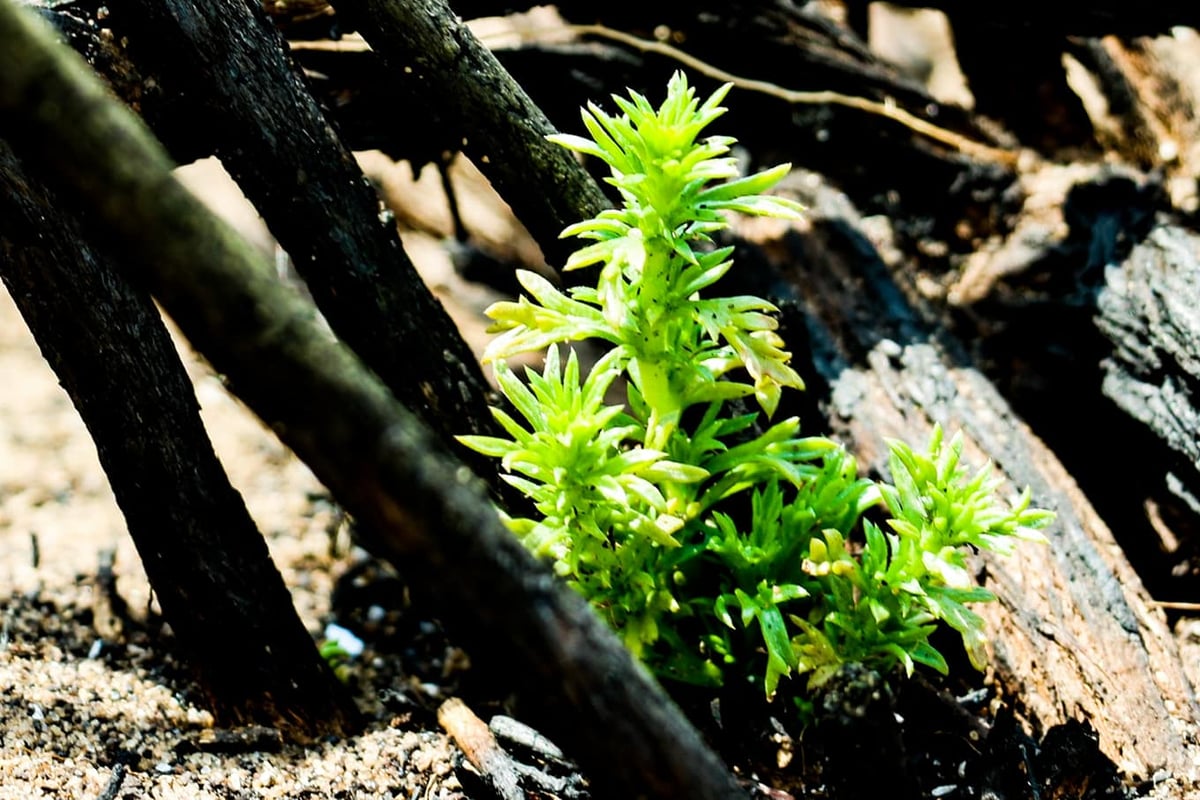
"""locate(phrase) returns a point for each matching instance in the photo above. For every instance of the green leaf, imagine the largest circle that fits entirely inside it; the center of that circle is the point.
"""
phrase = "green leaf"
(579, 144)
(674, 472)
(760, 206)
(748, 186)
(488, 445)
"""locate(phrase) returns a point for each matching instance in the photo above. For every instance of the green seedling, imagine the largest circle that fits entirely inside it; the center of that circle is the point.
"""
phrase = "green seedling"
(717, 545)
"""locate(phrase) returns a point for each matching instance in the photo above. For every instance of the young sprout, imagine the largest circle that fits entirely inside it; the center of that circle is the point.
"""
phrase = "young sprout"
(714, 547)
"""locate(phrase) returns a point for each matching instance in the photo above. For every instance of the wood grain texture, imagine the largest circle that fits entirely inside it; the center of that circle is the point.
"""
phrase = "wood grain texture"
(1149, 309)
(1075, 635)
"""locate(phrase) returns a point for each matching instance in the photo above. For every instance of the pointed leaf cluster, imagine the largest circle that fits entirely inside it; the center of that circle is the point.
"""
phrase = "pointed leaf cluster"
(712, 542)
(656, 258)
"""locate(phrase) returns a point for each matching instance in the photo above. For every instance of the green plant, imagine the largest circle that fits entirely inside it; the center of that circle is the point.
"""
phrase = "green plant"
(709, 543)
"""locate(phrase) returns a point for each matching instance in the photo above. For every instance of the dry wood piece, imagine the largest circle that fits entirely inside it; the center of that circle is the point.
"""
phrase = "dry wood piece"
(247, 739)
(536, 765)
(475, 739)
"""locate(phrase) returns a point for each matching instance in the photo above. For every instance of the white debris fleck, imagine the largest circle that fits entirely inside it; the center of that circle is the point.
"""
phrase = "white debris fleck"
(346, 640)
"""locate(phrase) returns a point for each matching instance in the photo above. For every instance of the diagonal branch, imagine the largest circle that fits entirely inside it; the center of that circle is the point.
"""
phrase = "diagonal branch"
(111, 352)
(257, 114)
(459, 86)
(416, 504)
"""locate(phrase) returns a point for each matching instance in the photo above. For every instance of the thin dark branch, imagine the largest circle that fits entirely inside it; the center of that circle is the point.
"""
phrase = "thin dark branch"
(459, 86)
(414, 502)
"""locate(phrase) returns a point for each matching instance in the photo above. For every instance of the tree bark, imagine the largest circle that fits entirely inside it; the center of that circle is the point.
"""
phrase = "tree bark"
(1075, 636)
(1149, 309)
(414, 502)
(441, 68)
(209, 566)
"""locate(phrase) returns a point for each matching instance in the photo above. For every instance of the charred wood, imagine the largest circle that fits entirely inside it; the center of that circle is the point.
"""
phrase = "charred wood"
(1075, 633)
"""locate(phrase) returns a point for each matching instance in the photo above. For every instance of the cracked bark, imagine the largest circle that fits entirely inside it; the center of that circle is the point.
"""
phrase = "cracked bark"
(1077, 637)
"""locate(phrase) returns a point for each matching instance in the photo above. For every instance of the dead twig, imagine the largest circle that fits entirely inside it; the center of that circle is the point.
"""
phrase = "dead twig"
(476, 741)
(114, 782)
(890, 111)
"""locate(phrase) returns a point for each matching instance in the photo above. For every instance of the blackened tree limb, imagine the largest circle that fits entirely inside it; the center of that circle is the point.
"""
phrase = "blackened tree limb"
(166, 108)
(208, 564)
(269, 132)
(454, 82)
(1149, 309)
(416, 504)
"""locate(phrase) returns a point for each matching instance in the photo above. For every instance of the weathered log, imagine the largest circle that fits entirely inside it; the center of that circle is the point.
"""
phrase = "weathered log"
(214, 579)
(414, 502)
(1028, 304)
(1149, 309)
(1075, 634)
(1029, 300)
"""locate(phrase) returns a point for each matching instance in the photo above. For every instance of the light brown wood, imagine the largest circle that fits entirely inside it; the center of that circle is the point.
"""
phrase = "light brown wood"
(475, 739)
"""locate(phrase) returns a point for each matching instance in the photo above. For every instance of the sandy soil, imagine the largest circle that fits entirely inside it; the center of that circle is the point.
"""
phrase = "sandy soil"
(81, 717)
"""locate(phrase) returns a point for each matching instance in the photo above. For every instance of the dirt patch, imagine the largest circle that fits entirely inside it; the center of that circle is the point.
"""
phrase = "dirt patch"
(79, 713)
